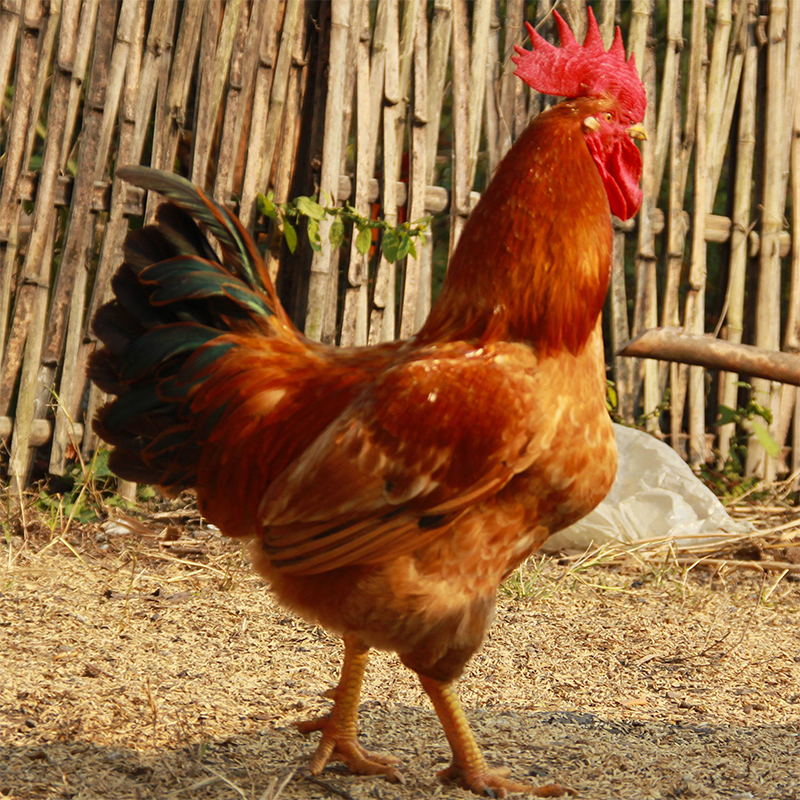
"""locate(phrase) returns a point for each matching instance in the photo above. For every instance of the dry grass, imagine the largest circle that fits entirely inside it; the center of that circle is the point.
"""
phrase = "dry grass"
(147, 661)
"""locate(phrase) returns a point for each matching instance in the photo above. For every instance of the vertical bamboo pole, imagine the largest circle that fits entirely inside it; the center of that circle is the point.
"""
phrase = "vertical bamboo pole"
(788, 394)
(171, 105)
(646, 306)
(290, 139)
(10, 208)
(620, 330)
(509, 84)
(10, 13)
(382, 316)
(83, 49)
(356, 299)
(405, 59)
(238, 102)
(459, 196)
(669, 87)
(695, 298)
(481, 18)
(240, 73)
(721, 87)
(682, 148)
(261, 141)
(607, 21)
(441, 35)
(417, 179)
(740, 228)
(768, 311)
(492, 102)
(668, 143)
(218, 39)
(322, 289)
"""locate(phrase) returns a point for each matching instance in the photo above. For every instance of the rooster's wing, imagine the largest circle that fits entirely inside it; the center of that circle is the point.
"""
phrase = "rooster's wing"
(426, 440)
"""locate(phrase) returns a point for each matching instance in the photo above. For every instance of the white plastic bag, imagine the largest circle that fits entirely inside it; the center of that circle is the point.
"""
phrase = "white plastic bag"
(655, 494)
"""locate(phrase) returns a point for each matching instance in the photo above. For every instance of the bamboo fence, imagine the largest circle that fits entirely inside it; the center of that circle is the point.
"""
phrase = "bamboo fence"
(406, 105)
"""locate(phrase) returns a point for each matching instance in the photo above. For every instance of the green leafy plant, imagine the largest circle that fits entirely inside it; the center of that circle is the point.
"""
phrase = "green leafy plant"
(396, 241)
(730, 480)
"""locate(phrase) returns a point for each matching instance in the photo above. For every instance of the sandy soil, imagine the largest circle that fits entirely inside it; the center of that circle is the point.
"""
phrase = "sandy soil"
(136, 667)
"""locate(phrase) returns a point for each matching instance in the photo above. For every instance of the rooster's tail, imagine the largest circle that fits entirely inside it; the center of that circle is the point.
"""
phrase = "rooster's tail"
(175, 305)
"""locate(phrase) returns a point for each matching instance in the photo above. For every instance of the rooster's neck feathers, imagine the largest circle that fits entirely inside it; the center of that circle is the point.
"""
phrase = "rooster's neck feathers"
(533, 261)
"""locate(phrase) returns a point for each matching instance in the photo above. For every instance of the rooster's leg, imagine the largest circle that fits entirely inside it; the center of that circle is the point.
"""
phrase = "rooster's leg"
(339, 740)
(469, 768)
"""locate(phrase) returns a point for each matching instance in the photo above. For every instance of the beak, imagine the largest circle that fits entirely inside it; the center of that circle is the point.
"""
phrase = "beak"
(637, 131)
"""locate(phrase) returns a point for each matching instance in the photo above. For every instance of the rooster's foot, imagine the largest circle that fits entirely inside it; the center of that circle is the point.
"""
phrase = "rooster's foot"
(495, 783)
(337, 745)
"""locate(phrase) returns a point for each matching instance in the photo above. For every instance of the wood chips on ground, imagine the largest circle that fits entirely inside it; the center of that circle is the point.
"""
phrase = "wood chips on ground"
(158, 666)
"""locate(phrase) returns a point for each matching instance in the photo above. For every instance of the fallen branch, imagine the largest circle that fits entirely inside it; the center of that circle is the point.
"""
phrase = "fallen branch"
(672, 344)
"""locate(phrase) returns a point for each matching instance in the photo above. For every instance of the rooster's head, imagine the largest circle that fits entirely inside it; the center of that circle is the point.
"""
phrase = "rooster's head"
(615, 118)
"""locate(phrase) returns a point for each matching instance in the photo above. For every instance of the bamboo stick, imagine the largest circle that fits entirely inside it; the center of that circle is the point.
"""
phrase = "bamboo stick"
(439, 56)
(10, 17)
(413, 293)
(356, 300)
(405, 61)
(481, 19)
(696, 295)
(171, 106)
(49, 23)
(382, 316)
(10, 209)
(607, 21)
(509, 84)
(768, 310)
(256, 174)
(129, 13)
(731, 83)
(735, 293)
(234, 107)
(492, 102)
(238, 101)
(460, 197)
(41, 431)
(78, 67)
(321, 314)
(620, 331)
(669, 87)
(291, 128)
(646, 305)
(674, 344)
(280, 83)
(155, 73)
(683, 145)
(788, 394)
(218, 40)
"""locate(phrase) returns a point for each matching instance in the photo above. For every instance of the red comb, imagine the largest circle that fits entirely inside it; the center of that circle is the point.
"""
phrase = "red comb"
(586, 70)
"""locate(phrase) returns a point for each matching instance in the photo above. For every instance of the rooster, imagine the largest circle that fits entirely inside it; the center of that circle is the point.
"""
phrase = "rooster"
(388, 491)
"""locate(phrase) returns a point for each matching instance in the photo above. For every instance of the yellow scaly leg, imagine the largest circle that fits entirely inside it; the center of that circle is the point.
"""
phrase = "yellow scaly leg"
(469, 768)
(339, 740)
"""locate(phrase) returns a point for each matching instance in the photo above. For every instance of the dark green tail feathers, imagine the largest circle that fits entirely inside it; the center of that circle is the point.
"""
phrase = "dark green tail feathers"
(172, 296)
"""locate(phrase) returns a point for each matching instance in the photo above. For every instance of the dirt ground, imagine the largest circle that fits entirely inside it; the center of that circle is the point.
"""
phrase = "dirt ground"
(154, 664)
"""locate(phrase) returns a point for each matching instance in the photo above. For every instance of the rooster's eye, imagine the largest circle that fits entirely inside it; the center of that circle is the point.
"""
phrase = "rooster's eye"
(608, 117)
